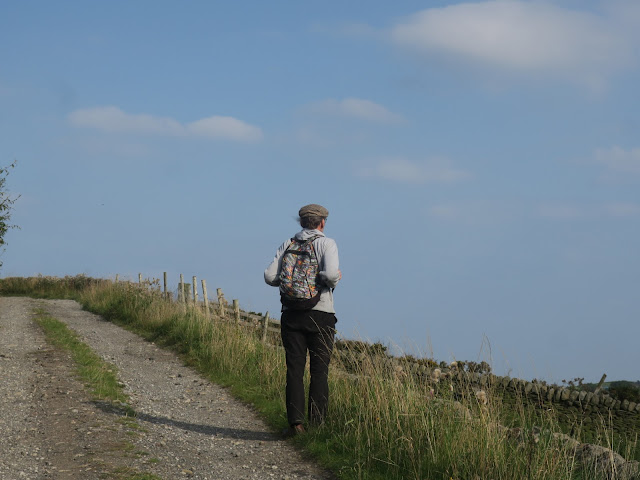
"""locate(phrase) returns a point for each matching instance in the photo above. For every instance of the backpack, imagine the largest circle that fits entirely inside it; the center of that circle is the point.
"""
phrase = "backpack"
(299, 283)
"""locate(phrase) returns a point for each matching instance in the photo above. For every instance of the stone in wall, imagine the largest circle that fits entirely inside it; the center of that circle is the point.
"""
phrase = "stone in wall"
(551, 394)
(558, 394)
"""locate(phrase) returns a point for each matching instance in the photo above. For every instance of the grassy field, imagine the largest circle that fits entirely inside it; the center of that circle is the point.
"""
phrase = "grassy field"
(382, 423)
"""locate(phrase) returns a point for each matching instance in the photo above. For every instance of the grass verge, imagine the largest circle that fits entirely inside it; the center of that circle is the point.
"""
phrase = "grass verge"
(99, 376)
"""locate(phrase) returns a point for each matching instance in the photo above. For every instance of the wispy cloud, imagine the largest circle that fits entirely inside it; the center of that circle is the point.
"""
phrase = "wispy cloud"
(588, 212)
(487, 212)
(619, 160)
(523, 36)
(480, 212)
(225, 127)
(112, 119)
(435, 170)
(356, 108)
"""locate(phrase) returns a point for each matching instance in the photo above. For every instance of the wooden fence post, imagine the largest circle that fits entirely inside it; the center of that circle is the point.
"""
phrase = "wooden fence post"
(140, 278)
(221, 302)
(236, 310)
(117, 277)
(206, 298)
(181, 296)
(599, 387)
(266, 327)
(194, 287)
(165, 294)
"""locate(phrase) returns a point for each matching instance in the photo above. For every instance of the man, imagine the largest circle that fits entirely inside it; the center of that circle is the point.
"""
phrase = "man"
(308, 328)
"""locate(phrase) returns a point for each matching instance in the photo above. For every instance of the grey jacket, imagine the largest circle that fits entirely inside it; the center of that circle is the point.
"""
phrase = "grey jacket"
(328, 266)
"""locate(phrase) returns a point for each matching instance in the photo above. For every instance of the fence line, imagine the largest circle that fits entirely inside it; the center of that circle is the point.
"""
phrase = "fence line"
(187, 295)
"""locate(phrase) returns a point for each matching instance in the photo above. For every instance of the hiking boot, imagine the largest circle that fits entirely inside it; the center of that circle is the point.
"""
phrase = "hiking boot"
(293, 430)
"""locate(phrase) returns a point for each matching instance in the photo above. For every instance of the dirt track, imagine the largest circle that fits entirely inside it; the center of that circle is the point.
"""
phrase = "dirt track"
(186, 427)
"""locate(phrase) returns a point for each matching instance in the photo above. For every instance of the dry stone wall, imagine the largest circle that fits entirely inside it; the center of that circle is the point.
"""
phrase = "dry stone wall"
(575, 407)
(534, 391)
(570, 397)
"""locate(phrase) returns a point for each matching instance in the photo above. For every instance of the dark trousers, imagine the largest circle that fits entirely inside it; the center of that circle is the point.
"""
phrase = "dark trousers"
(314, 331)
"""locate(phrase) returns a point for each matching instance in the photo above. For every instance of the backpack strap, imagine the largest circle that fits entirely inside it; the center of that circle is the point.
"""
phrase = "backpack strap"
(308, 240)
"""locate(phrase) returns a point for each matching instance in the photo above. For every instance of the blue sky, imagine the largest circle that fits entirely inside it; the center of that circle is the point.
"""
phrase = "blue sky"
(480, 161)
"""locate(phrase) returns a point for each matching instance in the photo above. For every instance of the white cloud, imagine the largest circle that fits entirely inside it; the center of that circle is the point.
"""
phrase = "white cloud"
(357, 108)
(619, 160)
(225, 127)
(436, 170)
(521, 36)
(112, 119)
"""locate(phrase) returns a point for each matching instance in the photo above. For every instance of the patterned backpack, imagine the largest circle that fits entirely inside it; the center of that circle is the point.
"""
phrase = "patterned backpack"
(299, 283)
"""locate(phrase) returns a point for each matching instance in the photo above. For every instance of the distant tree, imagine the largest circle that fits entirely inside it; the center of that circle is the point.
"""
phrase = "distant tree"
(6, 206)
(623, 390)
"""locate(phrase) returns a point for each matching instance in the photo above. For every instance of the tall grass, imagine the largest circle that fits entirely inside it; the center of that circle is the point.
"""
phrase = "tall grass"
(389, 424)
(383, 421)
(48, 287)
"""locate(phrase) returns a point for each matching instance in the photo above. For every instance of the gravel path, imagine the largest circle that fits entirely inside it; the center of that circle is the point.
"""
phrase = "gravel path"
(187, 427)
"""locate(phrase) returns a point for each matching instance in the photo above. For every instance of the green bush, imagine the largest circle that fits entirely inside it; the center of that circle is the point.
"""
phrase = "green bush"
(624, 391)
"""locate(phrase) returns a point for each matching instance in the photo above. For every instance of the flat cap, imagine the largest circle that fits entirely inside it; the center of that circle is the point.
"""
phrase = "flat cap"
(313, 210)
